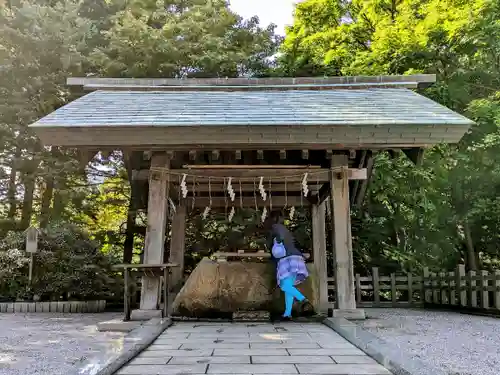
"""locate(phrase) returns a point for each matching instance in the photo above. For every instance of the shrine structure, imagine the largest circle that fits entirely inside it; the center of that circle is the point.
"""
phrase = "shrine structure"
(266, 143)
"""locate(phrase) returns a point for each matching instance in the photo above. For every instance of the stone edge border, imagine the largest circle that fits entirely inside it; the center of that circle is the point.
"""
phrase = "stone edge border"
(135, 342)
(388, 355)
(53, 307)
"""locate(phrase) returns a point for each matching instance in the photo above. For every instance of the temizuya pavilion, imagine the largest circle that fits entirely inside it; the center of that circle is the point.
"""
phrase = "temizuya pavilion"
(272, 130)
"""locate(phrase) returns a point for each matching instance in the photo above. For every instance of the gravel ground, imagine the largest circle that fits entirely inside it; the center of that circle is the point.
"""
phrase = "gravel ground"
(460, 344)
(52, 344)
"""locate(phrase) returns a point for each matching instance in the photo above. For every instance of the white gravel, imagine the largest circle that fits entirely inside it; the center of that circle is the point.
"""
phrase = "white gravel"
(460, 344)
(52, 344)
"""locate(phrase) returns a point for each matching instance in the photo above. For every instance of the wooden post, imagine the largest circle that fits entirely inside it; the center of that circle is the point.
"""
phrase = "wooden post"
(358, 289)
(126, 293)
(496, 294)
(157, 222)
(426, 282)
(319, 255)
(443, 288)
(453, 288)
(485, 300)
(342, 240)
(165, 291)
(472, 289)
(410, 288)
(393, 289)
(376, 286)
(435, 288)
(460, 285)
(177, 246)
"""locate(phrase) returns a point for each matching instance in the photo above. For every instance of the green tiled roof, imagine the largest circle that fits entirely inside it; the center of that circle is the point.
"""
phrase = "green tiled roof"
(298, 107)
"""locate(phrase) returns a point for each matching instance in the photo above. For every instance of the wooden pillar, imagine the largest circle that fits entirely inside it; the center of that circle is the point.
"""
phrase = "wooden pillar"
(155, 233)
(319, 254)
(342, 240)
(177, 246)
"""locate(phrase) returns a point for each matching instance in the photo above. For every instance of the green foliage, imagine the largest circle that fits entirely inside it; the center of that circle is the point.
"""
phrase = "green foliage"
(445, 211)
(68, 265)
(184, 38)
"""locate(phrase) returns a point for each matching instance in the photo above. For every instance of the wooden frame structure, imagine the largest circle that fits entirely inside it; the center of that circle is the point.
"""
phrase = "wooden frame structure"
(149, 270)
(243, 129)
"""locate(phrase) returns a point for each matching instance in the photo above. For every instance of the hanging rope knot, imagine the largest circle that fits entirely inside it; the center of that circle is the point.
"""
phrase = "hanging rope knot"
(305, 188)
(184, 188)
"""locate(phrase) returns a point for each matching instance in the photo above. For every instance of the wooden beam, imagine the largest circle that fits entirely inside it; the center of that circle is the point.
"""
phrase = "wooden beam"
(319, 255)
(157, 222)
(364, 184)
(248, 202)
(201, 175)
(241, 81)
(215, 155)
(416, 155)
(218, 186)
(355, 188)
(322, 194)
(248, 166)
(177, 247)
(341, 235)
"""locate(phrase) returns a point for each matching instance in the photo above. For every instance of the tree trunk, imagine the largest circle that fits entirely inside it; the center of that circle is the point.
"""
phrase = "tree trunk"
(12, 188)
(29, 190)
(59, 192)
(46, 201)
(471, 254)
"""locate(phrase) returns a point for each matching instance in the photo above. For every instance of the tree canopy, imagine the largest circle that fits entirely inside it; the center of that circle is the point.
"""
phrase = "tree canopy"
(438, 214)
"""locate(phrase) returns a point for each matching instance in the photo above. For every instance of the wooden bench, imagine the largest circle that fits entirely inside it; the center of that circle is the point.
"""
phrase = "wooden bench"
(149, 270)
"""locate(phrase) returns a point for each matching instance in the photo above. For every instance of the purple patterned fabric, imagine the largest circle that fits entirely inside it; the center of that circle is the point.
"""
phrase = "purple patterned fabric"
(293, 265)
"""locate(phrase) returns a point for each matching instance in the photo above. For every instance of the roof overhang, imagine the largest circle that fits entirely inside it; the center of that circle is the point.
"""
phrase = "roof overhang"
(132, 114)
(285, 83)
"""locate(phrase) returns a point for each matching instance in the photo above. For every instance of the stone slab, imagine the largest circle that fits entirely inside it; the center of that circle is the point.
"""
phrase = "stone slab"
(210, 360)
(327, 352)
(353, 359)
(156, 346)
(213, 345)
(252, 369)
(342, 369)
(141, 315)
(134, 343)
(355, 314)
(284, 345)
(163, 370)
(116, 326)
(238, 352)
(390, 356)
(291, 359)
(177, 353)
(149, 361)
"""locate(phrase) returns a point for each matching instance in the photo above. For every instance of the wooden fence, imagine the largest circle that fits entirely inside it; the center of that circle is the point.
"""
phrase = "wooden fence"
(479, 290)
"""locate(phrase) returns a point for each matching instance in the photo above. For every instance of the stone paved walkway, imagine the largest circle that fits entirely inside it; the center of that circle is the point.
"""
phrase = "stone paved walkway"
(239, 348)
